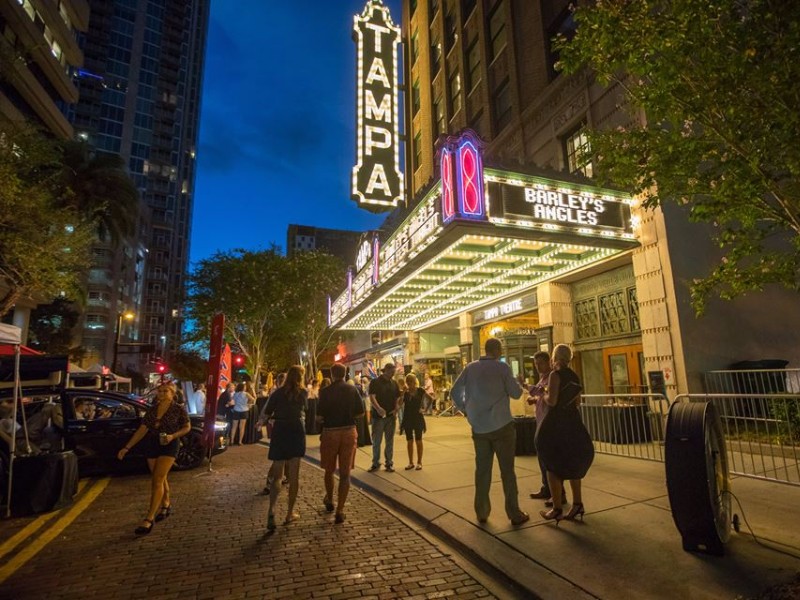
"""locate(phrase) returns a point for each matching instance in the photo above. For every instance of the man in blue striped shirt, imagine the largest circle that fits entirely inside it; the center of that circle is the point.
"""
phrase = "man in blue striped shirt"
(482, 392)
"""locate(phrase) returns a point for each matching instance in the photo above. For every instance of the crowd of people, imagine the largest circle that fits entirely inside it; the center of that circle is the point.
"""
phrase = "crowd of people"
(348, 414)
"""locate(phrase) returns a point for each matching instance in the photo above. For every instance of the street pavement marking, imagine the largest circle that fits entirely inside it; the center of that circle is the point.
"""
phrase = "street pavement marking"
(33, 527)
(60, 525)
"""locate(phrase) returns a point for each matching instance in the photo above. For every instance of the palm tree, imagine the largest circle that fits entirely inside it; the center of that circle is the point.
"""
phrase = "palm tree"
(99, 187)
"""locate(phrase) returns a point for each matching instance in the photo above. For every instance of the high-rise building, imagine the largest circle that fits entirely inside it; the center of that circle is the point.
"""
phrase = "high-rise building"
(337, 242)
(140, 98)
(38, 52)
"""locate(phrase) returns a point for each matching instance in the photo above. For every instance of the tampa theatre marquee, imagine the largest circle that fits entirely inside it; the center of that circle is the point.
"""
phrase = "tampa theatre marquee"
(479, 236)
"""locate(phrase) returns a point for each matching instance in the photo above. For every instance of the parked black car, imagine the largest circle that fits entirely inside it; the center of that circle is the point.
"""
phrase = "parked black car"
(95, 424)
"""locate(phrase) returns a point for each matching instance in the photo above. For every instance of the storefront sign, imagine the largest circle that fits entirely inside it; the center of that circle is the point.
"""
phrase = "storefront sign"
(551, 203)
(461, 165)
(524, 303)
(377, 179)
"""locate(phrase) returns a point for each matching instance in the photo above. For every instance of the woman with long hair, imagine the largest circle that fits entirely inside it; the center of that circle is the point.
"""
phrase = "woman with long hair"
(287, 446)
(412, 423)
(164, 423)
(242, 399)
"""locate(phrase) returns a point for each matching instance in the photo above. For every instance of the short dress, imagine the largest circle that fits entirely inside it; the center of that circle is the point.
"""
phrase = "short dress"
(288, 431)
(562, 441)
(413, 423)
(174, 419)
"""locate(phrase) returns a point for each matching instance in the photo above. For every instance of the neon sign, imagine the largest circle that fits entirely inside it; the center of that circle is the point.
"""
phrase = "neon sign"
(462, 178)
(377, 181)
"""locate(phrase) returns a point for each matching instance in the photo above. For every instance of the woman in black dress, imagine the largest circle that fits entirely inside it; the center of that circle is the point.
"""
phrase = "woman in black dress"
(287, 406)
(562, 441)
(413, 402)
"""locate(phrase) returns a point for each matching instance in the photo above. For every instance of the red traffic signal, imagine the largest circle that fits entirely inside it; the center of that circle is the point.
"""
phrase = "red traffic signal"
(161, 368)
(238, 360)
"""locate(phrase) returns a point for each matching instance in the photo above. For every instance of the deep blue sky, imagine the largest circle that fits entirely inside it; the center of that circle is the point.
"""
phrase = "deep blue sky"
(277, 128)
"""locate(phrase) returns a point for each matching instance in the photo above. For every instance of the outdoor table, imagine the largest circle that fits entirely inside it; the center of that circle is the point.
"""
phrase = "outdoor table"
(617, 423)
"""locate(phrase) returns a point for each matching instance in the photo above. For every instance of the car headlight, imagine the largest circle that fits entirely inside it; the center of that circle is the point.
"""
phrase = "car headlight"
(220, 425)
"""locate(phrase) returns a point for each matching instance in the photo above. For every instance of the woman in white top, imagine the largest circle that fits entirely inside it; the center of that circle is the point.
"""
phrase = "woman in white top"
(241, 406)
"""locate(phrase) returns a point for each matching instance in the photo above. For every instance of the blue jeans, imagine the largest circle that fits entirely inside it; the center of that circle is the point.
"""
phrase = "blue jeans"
(383, 427)
(503, 443)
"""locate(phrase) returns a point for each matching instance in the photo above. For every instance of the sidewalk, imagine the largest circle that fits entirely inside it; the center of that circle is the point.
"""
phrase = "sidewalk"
(628, 546)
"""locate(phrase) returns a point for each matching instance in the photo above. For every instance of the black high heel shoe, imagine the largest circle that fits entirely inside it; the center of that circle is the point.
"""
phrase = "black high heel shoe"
(142, 530)
(554, 514)
(576, 511)
(164, 512)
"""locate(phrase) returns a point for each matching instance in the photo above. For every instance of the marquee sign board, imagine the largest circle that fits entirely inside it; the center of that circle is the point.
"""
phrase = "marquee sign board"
(377, 181)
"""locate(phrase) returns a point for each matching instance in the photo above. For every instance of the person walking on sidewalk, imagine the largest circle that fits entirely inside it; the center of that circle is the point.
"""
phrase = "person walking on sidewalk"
(413, 421)
(384, 394)
(339, 406)
(164, 423)
(287, 407)
(482, 392)
(563, 442)
(544, 366)
(264, 422)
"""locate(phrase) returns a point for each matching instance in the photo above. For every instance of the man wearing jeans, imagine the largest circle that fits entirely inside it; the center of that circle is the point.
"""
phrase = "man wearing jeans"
(383, 396)
(482, 392)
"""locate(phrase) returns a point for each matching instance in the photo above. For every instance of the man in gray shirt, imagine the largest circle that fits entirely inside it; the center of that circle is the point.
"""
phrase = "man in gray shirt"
(482, 392)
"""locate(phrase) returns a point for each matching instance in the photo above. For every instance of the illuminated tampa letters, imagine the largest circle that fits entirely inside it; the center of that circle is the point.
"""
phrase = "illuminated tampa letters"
(377, 180)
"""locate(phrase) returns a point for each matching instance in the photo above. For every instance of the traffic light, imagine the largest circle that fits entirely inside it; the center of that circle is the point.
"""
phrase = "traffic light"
(161, 368)
(238, 361)
(240, 368)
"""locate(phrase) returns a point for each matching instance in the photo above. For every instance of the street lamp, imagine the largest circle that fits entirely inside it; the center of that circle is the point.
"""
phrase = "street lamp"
(128, 316)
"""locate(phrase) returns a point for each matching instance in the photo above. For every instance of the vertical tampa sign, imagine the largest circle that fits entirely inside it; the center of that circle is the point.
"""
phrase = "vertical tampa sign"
(377, 180)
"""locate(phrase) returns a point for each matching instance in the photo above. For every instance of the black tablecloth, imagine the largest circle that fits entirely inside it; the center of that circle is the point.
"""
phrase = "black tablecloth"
(617, 424)
(43, 483)
(525, 428)
(252, 434)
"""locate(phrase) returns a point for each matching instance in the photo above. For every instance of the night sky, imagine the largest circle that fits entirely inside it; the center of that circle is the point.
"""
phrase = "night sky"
(277, 130)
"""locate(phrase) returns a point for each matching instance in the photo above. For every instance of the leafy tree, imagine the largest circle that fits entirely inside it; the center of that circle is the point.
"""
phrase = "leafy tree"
(98, 187)
(188, 365)
(717, 82)
(250, 288)
(44, 246)
(316, 275)
(52, 327)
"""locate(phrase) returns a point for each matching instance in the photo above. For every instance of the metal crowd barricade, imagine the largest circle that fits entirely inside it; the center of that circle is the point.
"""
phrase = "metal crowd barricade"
(762, 433)
(623, 424)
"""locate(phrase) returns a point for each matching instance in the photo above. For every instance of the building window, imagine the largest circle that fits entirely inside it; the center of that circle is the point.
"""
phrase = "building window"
(502, 106)
(578, 152)
(450, 34)
(415, 98)
(476, 123)
(564, 26)
(417, 150)
(467, 6)
(473, 64)
(436, 57)
(455, 92)
(438, 111)
(414, 46)
(497, 30)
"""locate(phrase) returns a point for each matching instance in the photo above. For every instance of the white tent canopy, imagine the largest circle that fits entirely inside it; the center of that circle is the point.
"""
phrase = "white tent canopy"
(9, 334)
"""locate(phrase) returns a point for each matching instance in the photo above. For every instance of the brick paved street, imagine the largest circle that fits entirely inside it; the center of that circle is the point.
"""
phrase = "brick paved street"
(215, 545)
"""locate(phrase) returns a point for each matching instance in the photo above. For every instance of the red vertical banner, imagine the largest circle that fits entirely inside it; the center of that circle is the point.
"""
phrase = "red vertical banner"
(215, 356)
(225, 369)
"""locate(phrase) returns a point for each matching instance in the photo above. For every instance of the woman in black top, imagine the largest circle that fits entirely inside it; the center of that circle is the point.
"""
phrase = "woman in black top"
(287, 406)
(562, 441)
(164, 423)
(413, 424)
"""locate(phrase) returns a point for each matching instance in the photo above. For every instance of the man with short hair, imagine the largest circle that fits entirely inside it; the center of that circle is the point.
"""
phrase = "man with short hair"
(384, 395)
(482, 392)
(339, 406)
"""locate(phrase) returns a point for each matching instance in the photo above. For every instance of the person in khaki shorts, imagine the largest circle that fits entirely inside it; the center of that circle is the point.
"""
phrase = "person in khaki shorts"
(339, 406)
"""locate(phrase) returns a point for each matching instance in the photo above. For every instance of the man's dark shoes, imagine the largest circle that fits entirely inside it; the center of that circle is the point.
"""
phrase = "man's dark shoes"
(541, 495)
(521, 518)
(373, 468)
(142, 530)
(389, 469)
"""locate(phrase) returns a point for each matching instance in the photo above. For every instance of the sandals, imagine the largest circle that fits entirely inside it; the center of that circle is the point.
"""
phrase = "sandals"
(164, 512)
(339, 518)
(328, 505)
(409, 467)
(142, 530)
(419, 467)
(291, 517)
